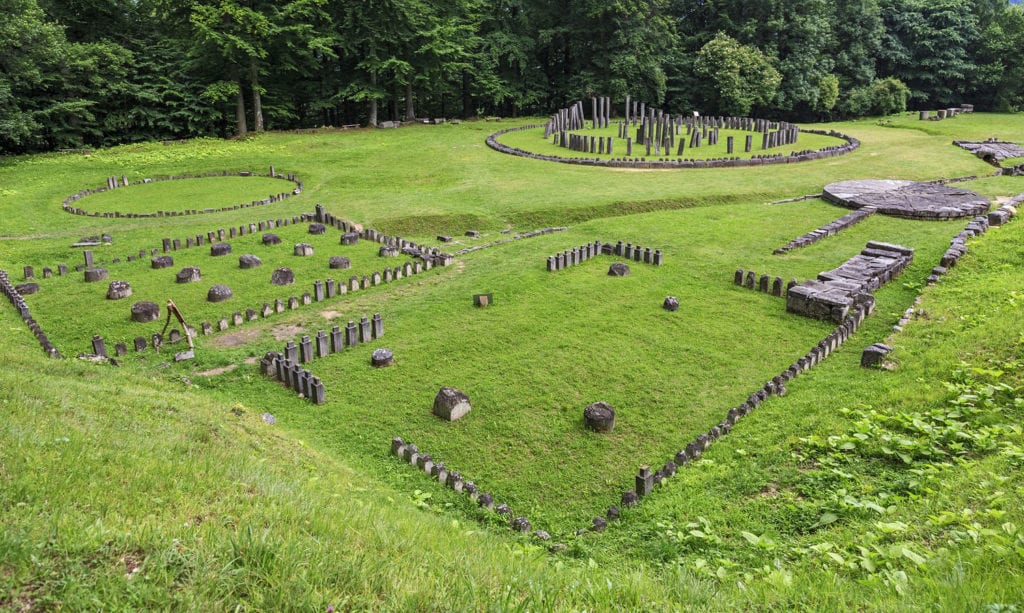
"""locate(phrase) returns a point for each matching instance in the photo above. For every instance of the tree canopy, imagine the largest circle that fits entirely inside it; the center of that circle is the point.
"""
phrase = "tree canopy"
(98, 72)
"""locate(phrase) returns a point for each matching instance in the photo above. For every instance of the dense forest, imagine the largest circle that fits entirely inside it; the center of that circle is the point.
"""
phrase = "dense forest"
(100, 72)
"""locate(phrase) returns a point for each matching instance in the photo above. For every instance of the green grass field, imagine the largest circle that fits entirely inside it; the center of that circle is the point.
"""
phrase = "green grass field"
(157, 485)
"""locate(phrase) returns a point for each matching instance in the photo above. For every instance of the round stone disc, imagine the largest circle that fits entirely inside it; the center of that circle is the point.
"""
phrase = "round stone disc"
(907, 198)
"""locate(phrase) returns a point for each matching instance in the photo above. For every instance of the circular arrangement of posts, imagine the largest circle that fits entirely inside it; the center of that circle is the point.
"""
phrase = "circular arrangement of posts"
(651, 138)
(122, 182)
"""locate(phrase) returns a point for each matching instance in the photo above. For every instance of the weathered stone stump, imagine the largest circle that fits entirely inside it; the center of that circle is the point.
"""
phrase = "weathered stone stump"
(189, 274)
(218, 293)
(93, 275)
(874, 355)
(248, 261)
(340, 262)
(219, 249)
(382, 358)
(162, 261)
(599, 417)
(451, 404)
(388, 251)
(282, 276)
(303, 249)
(317, 228)
(349, 238)
(118, 290)
(27, 289)
(271, 239)
(671, 303)
(618, 269)
(145, 312)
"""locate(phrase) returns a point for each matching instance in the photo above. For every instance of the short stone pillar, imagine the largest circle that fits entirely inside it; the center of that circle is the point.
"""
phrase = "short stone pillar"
(93, 275)
(271, 239)
(248, 261)
(382, 358)
(874, 355)
(349, 238)
(218, 293)
(671, 303)
(599, 417)
(451, 404)
(145, 312)
(218, 249)
(162, 261)
(118, 290)
(189, 274)
(303, 249)
(618, 269)
(282, 276)
(340, 262)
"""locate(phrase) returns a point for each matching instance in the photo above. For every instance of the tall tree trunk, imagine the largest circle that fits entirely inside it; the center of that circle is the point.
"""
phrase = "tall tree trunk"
(410, 112)
(241, 129)
(257, 101)
(373, 101)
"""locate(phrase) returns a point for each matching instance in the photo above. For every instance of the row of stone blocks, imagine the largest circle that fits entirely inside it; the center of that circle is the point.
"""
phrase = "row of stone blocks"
(430, 255)
(514, 237)
(578, 255)
(647, 479)
(99, 346)
(218, 236)
(830, 229)
(436, 469)
(19, 303)
(324, 344)
(944, 113)
(293, 376)
(764, 283)
(794, 157)
(958, 247)
(114, 183)
(834, 293)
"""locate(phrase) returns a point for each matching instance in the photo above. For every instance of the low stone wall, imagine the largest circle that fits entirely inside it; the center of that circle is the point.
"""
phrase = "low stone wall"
(293, 376)
(832, 296)
(830, 229)
(578, 255)
(648, 479)
(122, 182)
(18, 302)
(436, 469)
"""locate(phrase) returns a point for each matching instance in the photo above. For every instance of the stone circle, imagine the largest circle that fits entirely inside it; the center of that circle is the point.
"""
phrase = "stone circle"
(282, 276)
(118, 290)
(599, 417)
(189, 274)
(451, 404)
(248, 261)
(218, 293)
(908, 199)
(271, 239)
(340, 261)
(618, 269)
(145, 312)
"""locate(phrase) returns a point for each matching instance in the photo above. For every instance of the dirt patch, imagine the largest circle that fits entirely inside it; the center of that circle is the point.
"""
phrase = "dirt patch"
(770, 491)
(251, 360)
(213, 372)
(235, 339)
(286, 331)
(329, 315)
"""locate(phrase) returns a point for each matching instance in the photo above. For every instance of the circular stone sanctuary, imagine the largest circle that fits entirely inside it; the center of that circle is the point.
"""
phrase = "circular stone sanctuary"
(907, 198)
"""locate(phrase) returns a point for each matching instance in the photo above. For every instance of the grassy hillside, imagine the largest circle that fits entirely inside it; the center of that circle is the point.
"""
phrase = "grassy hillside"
(158, 485)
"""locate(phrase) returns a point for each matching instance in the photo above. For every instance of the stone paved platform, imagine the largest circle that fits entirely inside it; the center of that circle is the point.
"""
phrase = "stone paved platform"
(907, 198)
